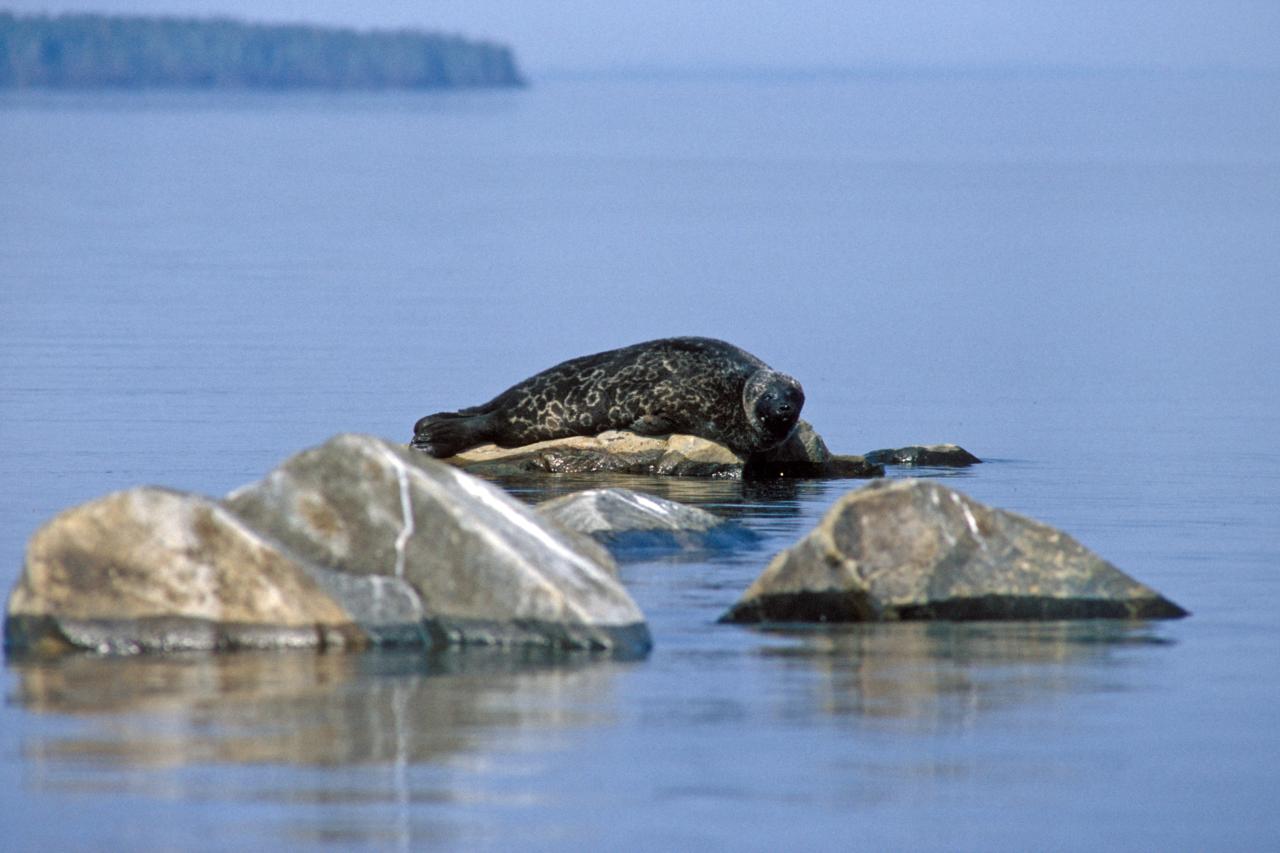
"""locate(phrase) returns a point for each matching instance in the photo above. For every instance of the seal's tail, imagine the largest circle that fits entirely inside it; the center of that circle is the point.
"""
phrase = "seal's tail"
(446, 433)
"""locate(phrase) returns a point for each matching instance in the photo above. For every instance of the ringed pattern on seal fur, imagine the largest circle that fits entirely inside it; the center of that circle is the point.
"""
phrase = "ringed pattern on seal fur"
(698, 386)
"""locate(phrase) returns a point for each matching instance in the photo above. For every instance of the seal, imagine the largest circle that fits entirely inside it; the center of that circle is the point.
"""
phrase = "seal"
(698, 386)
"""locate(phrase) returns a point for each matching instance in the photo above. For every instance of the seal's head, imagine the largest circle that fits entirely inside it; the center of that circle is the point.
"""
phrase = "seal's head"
(772, 401)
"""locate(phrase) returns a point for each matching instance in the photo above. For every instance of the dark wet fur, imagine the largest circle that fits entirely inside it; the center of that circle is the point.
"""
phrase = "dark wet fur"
(688, 385)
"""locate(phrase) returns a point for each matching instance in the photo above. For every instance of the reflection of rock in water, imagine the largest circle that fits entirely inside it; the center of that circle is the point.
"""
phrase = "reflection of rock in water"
(932, 674)
(304, 709)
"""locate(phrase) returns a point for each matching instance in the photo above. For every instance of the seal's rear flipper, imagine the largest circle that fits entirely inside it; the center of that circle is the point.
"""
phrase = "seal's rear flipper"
(447, 433)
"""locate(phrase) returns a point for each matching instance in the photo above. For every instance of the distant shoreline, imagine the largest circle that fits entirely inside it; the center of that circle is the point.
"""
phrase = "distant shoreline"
(90, 51)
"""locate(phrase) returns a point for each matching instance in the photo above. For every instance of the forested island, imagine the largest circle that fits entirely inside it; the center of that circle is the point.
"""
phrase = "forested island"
(81, 51)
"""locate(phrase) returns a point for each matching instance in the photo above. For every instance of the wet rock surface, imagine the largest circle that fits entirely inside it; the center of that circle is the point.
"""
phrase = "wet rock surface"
(628, 521)
(357, 542)
(914, 549)
(803, 455)
(931, 455)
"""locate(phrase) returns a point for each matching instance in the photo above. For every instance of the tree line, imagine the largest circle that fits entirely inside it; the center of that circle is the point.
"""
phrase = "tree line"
(107, 51)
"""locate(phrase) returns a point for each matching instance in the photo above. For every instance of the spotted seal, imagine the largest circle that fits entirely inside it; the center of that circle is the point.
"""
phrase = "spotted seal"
(697, 386)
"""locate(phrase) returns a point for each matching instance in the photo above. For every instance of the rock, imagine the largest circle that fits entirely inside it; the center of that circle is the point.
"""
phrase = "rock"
(914, 549)
(803, 445)
(357, 542)
(631, 521)
(615, 451)
(486, 568)
(691, 456)
(155, 570)
(852, 467)
(931, 455)
(622, 452)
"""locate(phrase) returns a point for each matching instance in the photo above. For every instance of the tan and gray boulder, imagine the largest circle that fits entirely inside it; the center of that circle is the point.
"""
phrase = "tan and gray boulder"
(914, 549)
(615, 451)
(357, 542)
(621, 452)
(486, 568)
(155, 570)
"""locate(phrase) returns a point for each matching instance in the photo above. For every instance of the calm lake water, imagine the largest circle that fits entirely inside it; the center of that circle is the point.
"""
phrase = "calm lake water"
(1077, 277)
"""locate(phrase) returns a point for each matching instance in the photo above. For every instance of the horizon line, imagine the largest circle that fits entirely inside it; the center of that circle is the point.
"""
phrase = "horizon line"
(766, 71)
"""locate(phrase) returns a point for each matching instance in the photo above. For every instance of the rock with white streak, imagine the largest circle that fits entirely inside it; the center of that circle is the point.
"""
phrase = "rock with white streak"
(358, 542)
(484, 567)
(914, 549)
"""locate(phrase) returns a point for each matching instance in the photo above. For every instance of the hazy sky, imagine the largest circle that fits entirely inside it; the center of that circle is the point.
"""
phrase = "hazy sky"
(553, 35)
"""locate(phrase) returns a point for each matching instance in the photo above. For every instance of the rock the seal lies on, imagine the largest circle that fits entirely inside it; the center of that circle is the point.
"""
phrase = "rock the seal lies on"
(356, 542)
(626, 521)
(803, 454)
(914, 549)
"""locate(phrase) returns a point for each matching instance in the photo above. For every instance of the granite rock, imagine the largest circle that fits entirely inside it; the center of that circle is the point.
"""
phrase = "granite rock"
(914, 549)
(485, 567)
(150, 569)
(358, 542)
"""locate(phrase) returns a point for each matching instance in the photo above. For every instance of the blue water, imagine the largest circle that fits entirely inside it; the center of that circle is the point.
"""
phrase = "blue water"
(1073, 276)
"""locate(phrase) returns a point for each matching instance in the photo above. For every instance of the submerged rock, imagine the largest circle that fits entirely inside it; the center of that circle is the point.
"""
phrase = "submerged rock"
(914, 549)
(628, 521)
(931, 455)
(155, 570)
(487, 568)
(617, 451)
(353, 543)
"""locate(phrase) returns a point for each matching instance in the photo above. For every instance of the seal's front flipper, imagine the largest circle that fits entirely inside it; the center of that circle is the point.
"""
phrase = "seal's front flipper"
(653, 425)
(447, 433)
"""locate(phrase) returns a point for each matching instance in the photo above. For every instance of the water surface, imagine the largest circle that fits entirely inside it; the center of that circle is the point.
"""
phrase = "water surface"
(1072, 276)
